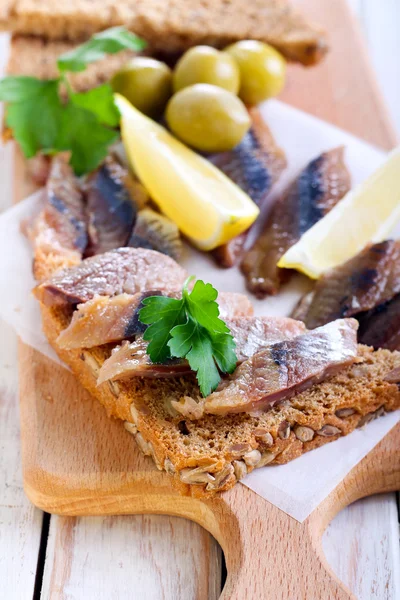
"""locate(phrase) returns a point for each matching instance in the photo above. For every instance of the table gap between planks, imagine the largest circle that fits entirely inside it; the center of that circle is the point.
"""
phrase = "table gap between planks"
(162, 557)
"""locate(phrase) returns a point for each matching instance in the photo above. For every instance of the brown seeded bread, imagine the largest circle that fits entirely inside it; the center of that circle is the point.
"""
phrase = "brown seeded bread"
(210, 455)
(172, 25)
(38, 58)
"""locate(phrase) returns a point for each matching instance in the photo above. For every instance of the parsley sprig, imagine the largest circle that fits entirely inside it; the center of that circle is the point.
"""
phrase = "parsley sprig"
(190, 328)
(41, 118)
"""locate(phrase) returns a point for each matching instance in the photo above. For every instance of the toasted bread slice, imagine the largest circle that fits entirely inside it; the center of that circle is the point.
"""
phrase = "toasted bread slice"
(38, 58)
(172, 25)
(212, 454)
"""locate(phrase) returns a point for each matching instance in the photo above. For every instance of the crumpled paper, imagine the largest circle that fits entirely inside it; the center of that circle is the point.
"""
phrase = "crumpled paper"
(299, 486)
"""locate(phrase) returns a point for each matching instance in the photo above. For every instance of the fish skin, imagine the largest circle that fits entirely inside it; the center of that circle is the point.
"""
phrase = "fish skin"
(253, 334)
(105, 319)
(318, 188)
(249, 333)
(286, 368)
(130, 359)
(360, 284)
(124, 270)
(58, 233)
(155, 231)
(380, 326)
(111, 209)
(254, 165)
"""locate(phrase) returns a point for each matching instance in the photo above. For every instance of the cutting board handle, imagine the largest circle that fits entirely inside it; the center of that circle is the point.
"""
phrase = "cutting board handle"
(270, 555)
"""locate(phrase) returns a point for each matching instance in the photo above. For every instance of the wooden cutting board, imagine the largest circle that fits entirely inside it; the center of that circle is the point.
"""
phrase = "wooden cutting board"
(78, 462)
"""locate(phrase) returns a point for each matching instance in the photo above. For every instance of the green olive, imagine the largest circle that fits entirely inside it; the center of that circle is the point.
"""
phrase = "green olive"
(203, 64)
(207, 117)
(146, 83)
(262, 70)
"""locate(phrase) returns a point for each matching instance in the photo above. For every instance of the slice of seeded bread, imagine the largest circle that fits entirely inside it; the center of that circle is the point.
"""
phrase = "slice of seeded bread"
(172, 25)
(212, 454)
(38, 58)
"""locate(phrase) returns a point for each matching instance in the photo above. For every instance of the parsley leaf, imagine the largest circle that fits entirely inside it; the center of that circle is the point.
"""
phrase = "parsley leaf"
(110, 41)
(190, 328)
(162, 314)
(202, 305)
(224, 352)
(82, 133)
(33, 113)
(99, 101)
(193, 342)
(42, 120)
(21, 88)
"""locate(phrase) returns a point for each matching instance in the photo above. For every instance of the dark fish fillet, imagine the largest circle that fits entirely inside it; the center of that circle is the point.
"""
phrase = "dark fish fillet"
(253, 334)
(58, 233)
(106, 319)
(254, 165)
(314, 193)
(365, 281)
(250, 334)
(125, 270)
(130, 359)
(380, 327)
(110, 206)
(156, 232)
(286, 368)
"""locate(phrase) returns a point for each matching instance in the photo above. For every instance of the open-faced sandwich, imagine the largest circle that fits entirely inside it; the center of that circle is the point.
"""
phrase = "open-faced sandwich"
(206, 388)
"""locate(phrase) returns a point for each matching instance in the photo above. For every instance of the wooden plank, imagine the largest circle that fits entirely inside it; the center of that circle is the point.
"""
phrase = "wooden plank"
(362, 546)
(153, 557)
(342, 89)
(20, 521)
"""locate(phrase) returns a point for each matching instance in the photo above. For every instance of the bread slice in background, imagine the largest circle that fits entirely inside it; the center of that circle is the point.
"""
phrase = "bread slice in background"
(37, 57)
(172, 25)
(211, 454)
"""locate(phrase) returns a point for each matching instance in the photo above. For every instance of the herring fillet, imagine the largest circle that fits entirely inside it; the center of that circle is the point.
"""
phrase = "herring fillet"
(124, 270)
(317, 189)
(285, 368)
(250, 334)
(255, 165)
(362, 283)
(58, 233)
(380, 326)
(105, 319)
(110, 208)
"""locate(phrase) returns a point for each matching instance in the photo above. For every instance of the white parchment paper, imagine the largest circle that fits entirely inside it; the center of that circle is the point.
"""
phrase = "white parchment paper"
(298, 487)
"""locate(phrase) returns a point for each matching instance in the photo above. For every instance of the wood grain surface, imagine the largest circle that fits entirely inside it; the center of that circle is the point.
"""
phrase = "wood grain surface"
(78, 462)
(20, 521)
(127, 557)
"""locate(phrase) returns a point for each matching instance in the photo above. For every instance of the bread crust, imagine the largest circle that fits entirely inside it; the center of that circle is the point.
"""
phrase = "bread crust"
(172, 25)
(37, 57)
(212, 454)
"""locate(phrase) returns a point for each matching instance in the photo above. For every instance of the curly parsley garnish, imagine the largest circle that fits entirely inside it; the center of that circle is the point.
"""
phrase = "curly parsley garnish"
(190, 328)
(42, 119)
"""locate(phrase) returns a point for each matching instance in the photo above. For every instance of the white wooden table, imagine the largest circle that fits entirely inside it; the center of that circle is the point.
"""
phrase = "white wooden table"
(160, 557)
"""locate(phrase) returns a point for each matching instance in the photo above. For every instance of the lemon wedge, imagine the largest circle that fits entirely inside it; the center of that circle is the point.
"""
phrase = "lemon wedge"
(365, 215)
(205, 204)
